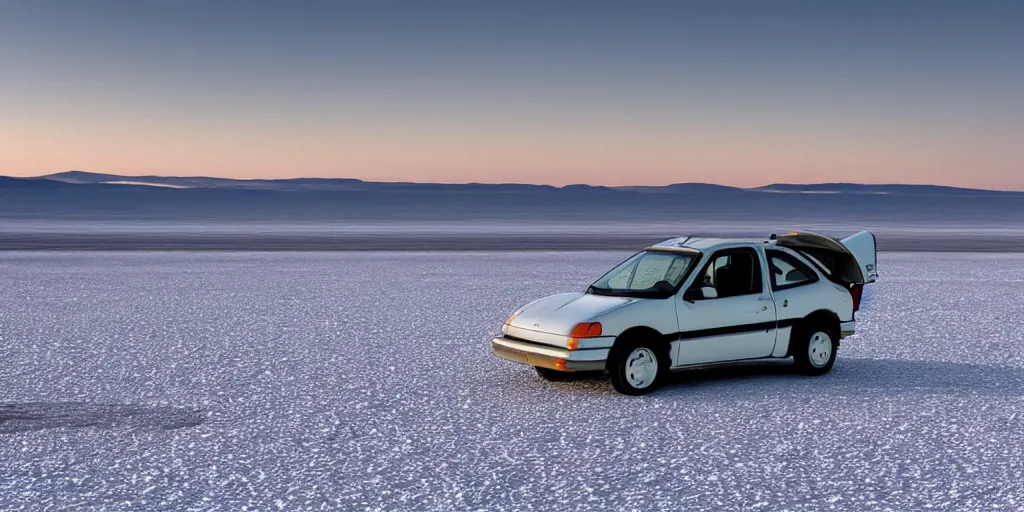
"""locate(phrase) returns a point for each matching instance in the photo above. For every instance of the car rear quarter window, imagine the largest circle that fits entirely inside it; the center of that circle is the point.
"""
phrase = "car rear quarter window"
(788, 272)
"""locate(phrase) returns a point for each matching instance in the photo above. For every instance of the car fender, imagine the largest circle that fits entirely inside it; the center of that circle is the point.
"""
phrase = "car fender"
(656, 314)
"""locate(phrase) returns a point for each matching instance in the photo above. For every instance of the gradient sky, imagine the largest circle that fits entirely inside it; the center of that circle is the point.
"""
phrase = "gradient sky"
(625, 92)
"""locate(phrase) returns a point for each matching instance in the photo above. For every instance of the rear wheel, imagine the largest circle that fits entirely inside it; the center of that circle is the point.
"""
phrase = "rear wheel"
(638, 367)
(814, 348)
(551, 375)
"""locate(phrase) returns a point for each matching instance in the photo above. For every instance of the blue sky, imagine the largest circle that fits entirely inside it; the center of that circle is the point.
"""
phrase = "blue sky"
(734, 92)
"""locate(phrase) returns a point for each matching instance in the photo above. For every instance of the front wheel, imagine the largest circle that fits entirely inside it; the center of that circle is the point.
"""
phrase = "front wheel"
(814, 349)
(638, 368)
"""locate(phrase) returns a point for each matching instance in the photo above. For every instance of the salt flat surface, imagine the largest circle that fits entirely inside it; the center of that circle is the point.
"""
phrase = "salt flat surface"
(227, 381)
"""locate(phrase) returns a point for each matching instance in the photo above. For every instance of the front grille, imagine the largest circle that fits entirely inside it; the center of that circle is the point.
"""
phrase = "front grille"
(531, 342)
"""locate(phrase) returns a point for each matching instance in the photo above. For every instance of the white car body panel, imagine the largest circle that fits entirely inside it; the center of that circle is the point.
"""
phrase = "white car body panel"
(796, 303)
(782, 335)
(560, 313)
(719, 313)
(699, 331)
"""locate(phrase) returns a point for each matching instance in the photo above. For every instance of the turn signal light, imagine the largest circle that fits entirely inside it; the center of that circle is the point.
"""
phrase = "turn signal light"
(560, 364)
(586, 330)
(574, 343)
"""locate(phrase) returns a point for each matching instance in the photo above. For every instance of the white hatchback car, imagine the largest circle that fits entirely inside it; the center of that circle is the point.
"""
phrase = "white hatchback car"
(692, 301)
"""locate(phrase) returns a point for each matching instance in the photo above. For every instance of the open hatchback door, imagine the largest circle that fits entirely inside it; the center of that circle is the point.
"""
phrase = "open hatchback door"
(850, 261)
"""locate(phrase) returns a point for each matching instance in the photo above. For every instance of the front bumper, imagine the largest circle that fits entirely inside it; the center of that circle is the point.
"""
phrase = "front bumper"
(555, 358)
(847, 329)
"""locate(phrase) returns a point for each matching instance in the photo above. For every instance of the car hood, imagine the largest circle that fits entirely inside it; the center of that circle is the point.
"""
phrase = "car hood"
(558, 314)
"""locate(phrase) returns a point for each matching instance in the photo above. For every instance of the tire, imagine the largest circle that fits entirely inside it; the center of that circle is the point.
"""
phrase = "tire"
(814, 348)
(638, 366)
(551, 375)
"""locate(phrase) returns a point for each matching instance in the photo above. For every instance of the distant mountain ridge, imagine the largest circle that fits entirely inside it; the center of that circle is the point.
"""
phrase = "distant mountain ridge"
(82, 196)
(79, 210)
(295, 184)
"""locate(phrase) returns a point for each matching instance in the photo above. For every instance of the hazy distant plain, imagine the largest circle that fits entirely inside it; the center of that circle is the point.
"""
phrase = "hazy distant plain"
(89, 213)
(482, 234)
(364, 381)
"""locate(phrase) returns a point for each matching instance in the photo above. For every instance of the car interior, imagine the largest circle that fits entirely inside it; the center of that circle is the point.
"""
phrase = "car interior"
(787, 272)
(735, 273)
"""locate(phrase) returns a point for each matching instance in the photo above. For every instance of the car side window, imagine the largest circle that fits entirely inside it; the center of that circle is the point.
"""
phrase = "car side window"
(733, 272)
(789, 272)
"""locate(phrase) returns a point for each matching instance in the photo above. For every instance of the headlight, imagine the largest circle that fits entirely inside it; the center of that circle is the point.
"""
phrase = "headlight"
(504, 326)
(512, 317)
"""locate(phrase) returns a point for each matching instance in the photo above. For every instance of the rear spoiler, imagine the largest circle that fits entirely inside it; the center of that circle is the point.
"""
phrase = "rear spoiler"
(849, 262)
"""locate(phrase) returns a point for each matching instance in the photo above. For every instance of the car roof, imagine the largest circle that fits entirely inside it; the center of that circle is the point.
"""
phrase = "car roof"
(704, 243)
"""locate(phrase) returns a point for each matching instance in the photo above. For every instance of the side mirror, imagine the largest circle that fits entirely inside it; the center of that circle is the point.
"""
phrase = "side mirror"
(694, 294)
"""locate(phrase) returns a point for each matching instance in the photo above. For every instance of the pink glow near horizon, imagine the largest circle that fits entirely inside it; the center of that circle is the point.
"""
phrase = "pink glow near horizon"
(459, 156)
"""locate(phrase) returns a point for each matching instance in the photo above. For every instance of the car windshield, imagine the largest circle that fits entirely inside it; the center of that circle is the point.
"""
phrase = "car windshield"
(646, 274)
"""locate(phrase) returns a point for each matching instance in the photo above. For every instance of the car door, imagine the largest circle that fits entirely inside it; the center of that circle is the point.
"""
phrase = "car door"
(737, 324)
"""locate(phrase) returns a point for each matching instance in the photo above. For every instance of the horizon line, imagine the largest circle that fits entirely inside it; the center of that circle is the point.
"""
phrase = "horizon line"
(766, 185)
